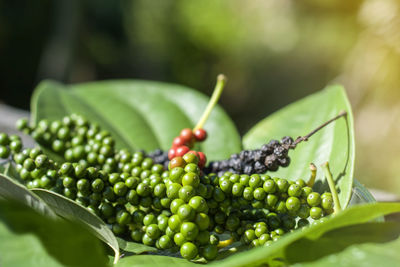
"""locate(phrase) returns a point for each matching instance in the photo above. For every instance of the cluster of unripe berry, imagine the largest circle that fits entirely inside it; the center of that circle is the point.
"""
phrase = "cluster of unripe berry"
(178, 208)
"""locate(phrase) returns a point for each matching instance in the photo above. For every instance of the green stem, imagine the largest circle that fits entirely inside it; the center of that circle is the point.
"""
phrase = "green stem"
(313, 175)
(332, 187)
(221, 80)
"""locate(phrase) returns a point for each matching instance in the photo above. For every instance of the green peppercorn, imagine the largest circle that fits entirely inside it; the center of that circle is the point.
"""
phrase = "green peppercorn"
(248, 193)
(41, 160)
(306, 191)
(186, 213)
(314, 199)
(316, 213)
(29, 164)
(165, 242)
(294, 190)
(4, 152)
(218, 194)
(191, 179)
(120, 189)
(70, 193)
(106, 209)
(108, 193)
(80, 171)
(270, 186)
(153, 231)
(173, 190)
(255, 181)
(4, 139)
(174, 223)
(147, 164)
(189, 251)
(186, 193)
(280, 207)
(232, 222)
(293, 204)
(259, 194)
(282, 185)
(327, 203)
(237, 189)
(15, 146)
(83, 186)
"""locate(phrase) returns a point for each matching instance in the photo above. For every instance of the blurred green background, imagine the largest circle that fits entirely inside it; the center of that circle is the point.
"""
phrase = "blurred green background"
(273, 52)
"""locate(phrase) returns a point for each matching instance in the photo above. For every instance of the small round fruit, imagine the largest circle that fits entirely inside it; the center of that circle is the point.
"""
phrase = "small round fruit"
(210, 252)
(314, 199)
(316, 213)
(120, 189)
(189, 230)
(165, 242)
(182, 150)
(174, 223)
(189, 251)
(186, 134)
(293, 204)
(191, 158)
(186, 213)
(200, 134)
(153, 231)
(4, 152)
(202, 220)
(191, 178)
(198, 203)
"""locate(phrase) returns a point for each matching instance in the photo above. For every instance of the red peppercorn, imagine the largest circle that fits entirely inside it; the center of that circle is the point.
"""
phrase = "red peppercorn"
(182, 150)
(200, 134)
(187, 135)
(202, 159)
(171, 153)
(178, 141)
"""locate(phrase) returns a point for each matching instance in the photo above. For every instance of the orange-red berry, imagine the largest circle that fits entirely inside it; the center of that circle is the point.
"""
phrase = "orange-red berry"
(200, 134)
(202, 159)
(171, 153)
(178, 141)
(182, 150)
(187, 135)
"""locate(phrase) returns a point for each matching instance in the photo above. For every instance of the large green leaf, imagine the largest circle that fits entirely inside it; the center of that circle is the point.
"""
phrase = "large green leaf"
(11, 190)
(71, 210)
(140, 114)
(366, 255)
(307, 250)
(28, 238)
(334, 143)
(153, 260)
(352, 215)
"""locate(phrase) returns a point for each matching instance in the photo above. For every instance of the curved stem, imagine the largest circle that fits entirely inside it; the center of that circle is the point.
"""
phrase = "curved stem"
(221, 80)
(332, 187)
(305, 138)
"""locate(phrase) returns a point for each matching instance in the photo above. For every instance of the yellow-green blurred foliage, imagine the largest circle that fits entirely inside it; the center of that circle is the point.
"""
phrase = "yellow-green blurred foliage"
(273, 52)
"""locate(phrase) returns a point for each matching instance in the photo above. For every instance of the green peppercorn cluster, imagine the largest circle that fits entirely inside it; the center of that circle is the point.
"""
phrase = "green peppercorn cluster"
(258, 208)
(9, 144)
(179, 209)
